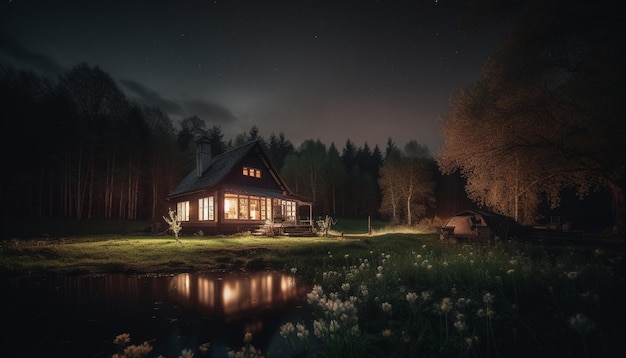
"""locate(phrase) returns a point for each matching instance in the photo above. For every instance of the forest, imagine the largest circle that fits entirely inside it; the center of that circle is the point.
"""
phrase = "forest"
(80, 149)
(541, 127)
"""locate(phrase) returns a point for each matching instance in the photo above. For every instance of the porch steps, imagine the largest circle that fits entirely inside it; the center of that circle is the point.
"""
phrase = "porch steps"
(298, 231)
(294, 230)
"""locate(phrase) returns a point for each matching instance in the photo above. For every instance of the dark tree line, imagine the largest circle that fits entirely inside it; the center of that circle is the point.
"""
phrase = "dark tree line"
(341, 184)
(76, 147)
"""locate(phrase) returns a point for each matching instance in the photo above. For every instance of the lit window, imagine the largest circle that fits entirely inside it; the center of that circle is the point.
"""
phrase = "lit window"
(231, 206)
(182, 210)
(206, 209)
(265, 203)
(289, 210)
(243, 208)
(252, 172)
(255, 213)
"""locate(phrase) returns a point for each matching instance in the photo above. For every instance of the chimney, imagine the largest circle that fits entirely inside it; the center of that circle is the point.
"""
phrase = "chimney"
(203, 155)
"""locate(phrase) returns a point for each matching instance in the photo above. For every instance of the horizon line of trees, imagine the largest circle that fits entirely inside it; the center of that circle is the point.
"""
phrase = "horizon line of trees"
(80, 149)
(543, 121)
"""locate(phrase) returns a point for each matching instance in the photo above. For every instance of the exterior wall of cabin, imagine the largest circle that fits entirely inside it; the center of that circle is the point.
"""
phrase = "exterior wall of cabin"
(252, 174)
(252, 161)
(277, 211)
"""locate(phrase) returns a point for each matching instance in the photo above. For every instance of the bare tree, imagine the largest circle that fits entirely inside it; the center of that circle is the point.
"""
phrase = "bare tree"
(408, 188)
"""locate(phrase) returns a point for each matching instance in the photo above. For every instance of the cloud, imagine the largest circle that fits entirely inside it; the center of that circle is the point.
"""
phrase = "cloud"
(15, 52)
(148, 97)
(209, 111)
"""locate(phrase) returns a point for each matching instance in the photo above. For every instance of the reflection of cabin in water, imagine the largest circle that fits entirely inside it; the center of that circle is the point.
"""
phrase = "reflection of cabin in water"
(236, 191)
(235, 296)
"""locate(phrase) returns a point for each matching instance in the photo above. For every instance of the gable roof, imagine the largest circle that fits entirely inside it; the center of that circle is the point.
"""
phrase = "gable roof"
(220, 166)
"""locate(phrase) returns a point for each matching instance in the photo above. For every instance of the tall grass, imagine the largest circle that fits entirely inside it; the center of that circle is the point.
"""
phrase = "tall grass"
(467, 300)
(386, 295)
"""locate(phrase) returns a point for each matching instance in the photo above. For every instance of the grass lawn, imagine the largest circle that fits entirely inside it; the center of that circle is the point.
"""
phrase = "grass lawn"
(390, 293)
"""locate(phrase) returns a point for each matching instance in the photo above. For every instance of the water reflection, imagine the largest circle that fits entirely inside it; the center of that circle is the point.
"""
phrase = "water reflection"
(234, 296)
(82, 314)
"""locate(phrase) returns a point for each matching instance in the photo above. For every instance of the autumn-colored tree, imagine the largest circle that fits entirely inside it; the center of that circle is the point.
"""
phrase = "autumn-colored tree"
(546, 113)
(390, 204)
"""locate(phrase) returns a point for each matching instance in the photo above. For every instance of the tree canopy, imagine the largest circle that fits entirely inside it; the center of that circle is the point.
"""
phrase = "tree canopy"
(546, 113)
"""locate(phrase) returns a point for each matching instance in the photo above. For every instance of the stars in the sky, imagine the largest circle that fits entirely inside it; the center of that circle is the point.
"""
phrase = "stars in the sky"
(269, 63)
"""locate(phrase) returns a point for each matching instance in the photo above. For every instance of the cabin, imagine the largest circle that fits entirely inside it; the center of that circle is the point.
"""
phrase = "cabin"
(478, 225)
(239, 191)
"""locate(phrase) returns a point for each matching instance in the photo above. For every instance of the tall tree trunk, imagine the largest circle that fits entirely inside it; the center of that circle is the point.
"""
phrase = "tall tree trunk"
(618, 207)
(155, 198)
(129, 193)
(408, 210)
(67, 187)
(90, 188)
(109, 185)
(79, 185)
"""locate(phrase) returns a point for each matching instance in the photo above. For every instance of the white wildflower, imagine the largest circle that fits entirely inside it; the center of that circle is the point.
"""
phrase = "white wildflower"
(446, 305)
(572, 275)
(364, 290)
(302, 333)
(186, 353)
(488, 298)
(286, 329)
(411, 297)
(386, 306)
(581, 323)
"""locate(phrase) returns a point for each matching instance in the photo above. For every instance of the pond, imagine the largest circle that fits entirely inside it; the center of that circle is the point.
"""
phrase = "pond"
(80, 316)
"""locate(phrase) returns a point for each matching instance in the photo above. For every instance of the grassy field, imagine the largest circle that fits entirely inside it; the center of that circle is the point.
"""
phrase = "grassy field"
(393, 293)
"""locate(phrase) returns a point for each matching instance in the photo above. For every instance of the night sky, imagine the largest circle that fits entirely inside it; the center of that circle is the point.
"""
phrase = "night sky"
(328, 70)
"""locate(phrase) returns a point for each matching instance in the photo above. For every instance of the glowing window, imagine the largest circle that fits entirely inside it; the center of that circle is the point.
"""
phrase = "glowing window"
(252, 172)
(231, 206)
(255, 209)
(182, 210)
(289, 210)
(243, 208)
(206, 209)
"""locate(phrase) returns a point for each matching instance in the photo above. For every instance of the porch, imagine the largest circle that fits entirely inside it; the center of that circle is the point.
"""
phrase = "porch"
(303, 228)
